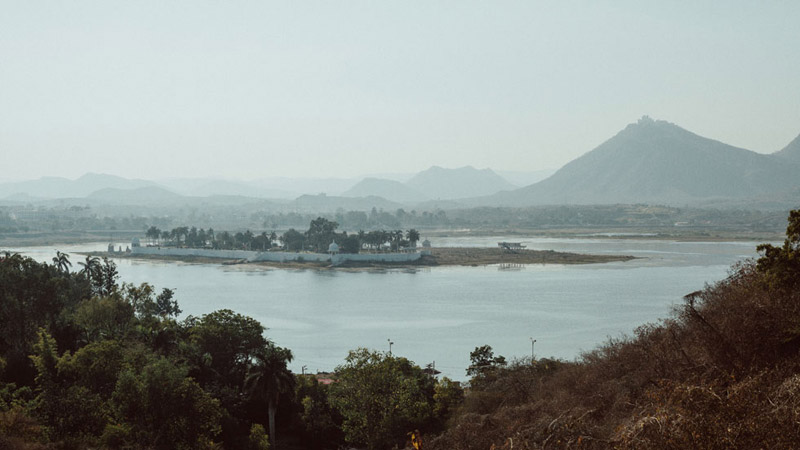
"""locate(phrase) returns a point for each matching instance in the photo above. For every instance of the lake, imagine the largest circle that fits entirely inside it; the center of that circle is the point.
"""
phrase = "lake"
(440, 314)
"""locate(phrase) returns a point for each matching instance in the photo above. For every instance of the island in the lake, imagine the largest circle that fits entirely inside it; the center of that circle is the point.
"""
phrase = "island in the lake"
(504, 254)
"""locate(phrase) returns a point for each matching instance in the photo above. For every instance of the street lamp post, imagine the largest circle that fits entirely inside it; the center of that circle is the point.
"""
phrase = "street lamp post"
(533, 341)
(390, 346)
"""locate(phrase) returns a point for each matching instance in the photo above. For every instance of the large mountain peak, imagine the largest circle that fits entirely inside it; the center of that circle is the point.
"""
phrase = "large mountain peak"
(654, 161)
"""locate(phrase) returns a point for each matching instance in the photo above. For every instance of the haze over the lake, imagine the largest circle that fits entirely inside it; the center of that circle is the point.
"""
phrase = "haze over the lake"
(255, 89)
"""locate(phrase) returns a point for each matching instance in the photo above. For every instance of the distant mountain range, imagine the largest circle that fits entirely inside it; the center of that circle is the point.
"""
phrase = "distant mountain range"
(138, 196)
(55, 187)
(449, 184)
(388, 189)
(659, 162)
(436, 183)
(650, 161)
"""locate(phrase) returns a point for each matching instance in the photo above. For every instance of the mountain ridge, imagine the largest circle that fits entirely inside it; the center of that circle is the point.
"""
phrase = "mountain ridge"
(657, 162)
(464, 182)
(389, 189)
(791, 152)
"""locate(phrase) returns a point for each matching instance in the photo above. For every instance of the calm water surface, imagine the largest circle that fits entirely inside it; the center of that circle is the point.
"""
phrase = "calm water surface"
(441, 314)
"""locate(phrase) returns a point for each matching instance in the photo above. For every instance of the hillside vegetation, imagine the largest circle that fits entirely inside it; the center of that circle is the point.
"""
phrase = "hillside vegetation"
(722, 372)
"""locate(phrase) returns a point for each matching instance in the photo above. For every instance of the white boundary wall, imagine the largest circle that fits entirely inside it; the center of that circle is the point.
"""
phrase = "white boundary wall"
(278, 256)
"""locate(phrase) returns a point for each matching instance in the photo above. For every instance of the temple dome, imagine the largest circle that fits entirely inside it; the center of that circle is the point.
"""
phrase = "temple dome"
(333, 248)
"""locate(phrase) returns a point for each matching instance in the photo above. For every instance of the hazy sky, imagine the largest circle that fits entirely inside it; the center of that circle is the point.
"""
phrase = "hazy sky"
(338, 88)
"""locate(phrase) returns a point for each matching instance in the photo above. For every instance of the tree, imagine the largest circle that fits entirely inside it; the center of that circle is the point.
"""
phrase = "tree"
(484, 364)
(413, 236)
(61, 261)
(160, 407)
(781, 265)
(108, 317)
(153, 233)
(321, 232)
(381, 398)
(179, 234)
(293, 240)
(106, 277)
(448, 394)
(258, 439)
(165, 305)
(268, 378)
(349, 244)
(69, 410)
(34, 295)
(262, 242)
(231, 340)
(396, 237)
(89, 266)
(321, 423)
(103, 276)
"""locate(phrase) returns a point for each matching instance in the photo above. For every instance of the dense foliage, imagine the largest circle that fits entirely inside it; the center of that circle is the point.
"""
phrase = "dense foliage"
(87, 362)
(320, 234)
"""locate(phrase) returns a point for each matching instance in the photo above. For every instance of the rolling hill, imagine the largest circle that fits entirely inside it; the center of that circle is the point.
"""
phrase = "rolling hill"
(56, 187)
(447, 184)
(149, 195)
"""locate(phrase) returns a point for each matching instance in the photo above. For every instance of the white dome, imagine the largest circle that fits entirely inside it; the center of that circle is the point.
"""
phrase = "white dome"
(333, 248)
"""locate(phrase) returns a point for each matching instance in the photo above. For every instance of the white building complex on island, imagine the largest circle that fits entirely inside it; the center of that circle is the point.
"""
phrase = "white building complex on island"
(333, 256)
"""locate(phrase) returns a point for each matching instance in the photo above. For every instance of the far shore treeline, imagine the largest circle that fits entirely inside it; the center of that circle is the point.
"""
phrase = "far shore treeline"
(89, 362)
(320, 234)
(17, 221)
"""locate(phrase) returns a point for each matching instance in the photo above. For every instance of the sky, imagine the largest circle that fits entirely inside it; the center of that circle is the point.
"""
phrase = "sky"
(254, 89)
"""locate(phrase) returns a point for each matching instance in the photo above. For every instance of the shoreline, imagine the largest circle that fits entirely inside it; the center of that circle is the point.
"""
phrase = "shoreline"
(688, 234)
(440, 257)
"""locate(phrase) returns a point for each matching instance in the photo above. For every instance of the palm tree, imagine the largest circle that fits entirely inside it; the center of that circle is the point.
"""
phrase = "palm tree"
(61, 261)
(413, 236)
(396, 237)
(91, 266)
(153, 233)
(268, 378)
(13, 259)
(361, 239)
